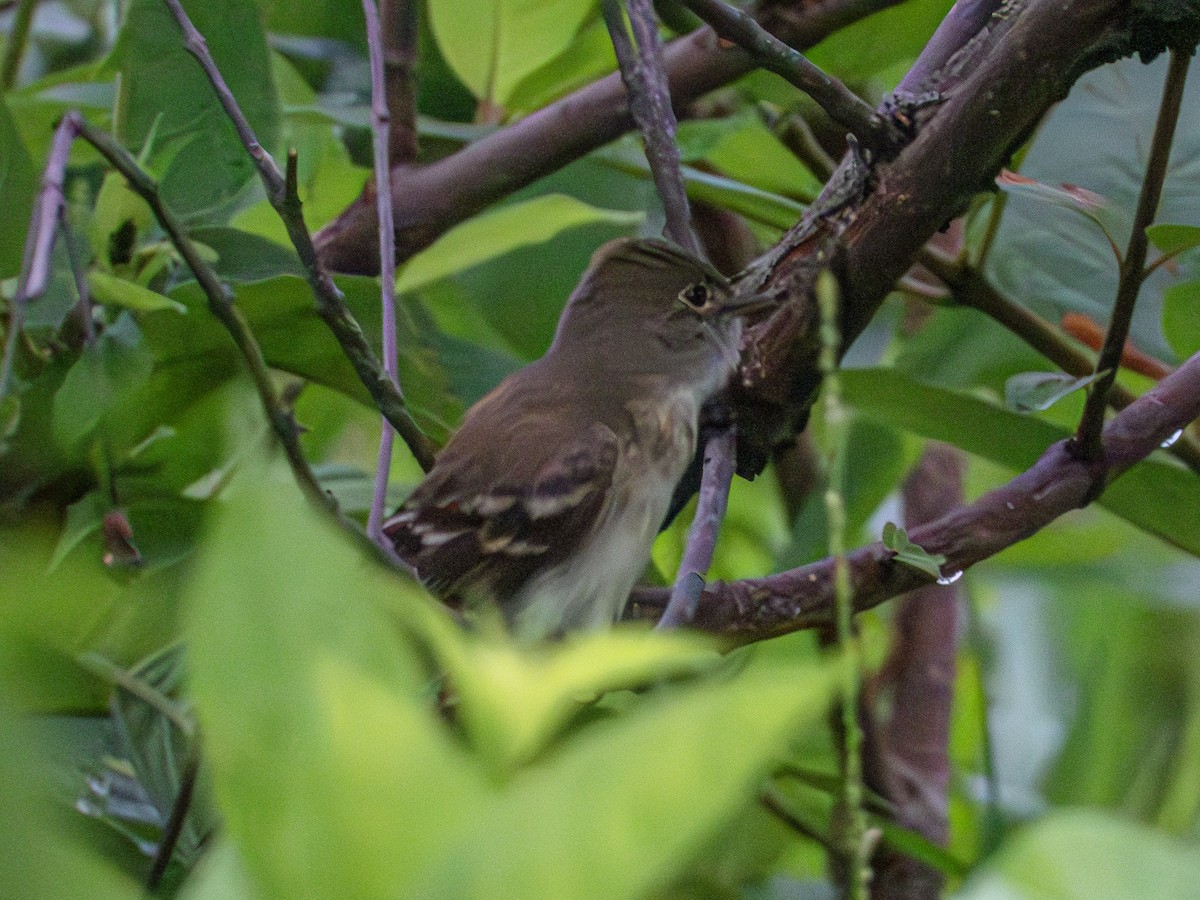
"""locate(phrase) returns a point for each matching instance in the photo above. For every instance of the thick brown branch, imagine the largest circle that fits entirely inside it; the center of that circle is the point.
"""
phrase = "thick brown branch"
(802, 598)
(432, 198)
(1021, 66)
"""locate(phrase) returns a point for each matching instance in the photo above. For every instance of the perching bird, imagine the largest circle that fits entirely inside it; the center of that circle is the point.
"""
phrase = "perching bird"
(548, 498)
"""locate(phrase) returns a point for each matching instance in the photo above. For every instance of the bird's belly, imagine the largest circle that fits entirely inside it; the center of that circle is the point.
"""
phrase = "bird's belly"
(589, 589)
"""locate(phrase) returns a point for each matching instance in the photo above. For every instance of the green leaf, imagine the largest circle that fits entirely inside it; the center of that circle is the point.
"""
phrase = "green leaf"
(753, 155)
(1181, 318)
(1158, 497)
(755, 204)
(871, 49)
(500, 231)
(113, 291)
(1035, 391)
(1094, 207)
(514, 700)
(335, 775)
(38, 856)
(108, 373)
(293, 338)
(1174, 239)
(587, 58)
(493, 44)
(1055, 261)
(876, 459)
(162, 89)
(623, 808)
(18, 182)
(1086, 855)
(896, 539)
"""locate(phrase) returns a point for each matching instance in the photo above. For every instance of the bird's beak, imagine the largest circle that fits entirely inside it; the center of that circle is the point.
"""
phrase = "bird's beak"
(747, 304)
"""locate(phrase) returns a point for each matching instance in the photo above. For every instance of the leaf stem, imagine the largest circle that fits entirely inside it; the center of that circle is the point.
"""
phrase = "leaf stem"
(14, 48)
(1087, 442)
(852, 841)
(971, 288)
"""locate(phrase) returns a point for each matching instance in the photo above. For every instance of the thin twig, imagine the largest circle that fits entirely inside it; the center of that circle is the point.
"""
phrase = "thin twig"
(839, 102)
(852, 831)
(401, 45)
(795, 134)
(772, 801)
(39, 242)
(380, 132)
(220, 302)
(173, 828)
(720, 462)
(1087, 437)
(18, 40)
(650, 104)
(83, 306)
(971, 288)
(283, 194)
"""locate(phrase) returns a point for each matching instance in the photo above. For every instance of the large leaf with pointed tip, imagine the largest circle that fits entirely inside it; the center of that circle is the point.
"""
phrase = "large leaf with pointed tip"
(164, 91)
(1053, 258)
(1157, 496)
(623, 808)
(493, 44)
(334, 772)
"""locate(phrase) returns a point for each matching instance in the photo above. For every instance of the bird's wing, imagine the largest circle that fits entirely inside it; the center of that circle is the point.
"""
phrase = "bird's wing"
(508, 496)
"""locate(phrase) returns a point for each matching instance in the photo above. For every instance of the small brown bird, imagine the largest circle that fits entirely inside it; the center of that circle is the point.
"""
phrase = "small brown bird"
(549, 496)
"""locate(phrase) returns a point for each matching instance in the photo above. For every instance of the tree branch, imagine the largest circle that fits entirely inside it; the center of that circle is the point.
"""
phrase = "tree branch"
(720, 460)
(754, 609)
(381, 136)
(1133, 265)
(641, 62)
(970, 287)
(839, 102)
(1014, 72)
(437, 196)
(330, 305)
(401, 39)
(220, 303)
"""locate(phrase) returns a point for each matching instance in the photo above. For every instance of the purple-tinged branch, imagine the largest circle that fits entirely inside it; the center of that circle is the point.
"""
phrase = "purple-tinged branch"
(282, 193)
(380, 132)
(641, 61)
(39, 243)
(720, 462)
(1133, 264)
(801, 598)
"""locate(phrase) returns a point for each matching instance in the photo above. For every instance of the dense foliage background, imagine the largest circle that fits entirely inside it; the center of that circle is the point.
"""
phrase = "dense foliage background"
(145, 511)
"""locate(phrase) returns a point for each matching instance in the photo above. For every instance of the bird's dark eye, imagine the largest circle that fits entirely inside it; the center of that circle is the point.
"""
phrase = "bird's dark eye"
(697, 296)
